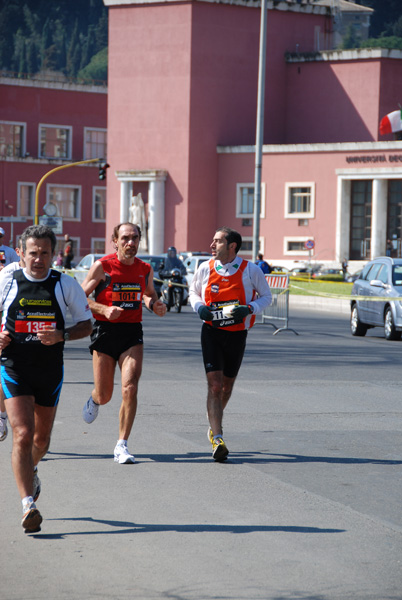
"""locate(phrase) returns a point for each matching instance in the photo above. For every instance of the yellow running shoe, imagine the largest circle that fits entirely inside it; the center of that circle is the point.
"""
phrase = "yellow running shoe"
(210, 435)
(219, 449)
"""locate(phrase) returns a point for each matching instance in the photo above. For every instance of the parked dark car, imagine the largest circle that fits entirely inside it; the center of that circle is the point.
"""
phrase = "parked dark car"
(279, 269)
(380, 278)
(328, 273)
(156, 261)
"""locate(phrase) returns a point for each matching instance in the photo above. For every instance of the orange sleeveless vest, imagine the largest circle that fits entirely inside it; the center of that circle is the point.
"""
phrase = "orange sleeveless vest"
(225, 291)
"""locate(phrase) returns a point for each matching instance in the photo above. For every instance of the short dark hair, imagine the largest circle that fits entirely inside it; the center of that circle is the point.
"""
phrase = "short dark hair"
(116, 229)
(231, 236)
(38, 232)
(260, 256)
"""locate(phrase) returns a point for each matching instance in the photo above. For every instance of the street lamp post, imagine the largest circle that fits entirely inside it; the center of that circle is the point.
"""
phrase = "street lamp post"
(259, 130)
(81, 162)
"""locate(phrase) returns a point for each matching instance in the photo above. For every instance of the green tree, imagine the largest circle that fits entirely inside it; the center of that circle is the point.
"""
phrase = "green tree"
(102, 32)
(88, 47)
(72, 52)
(46, 43)
(397, 27)
(386, 13)
(350, 39)
(32, 57)
(19, 51)
(392, 42)
(22, 67)
(96, 69)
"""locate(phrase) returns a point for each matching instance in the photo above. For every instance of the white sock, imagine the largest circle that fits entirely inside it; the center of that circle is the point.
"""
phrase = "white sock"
(122, 442)
(26, 502)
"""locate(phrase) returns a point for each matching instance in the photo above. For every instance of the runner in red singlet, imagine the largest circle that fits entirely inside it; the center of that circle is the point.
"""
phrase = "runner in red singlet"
(119, 281)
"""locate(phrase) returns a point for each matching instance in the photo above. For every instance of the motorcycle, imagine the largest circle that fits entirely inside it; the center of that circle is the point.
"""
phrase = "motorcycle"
(174, 290)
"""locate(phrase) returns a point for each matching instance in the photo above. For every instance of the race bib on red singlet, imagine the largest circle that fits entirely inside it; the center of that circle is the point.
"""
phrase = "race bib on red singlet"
(126, 295)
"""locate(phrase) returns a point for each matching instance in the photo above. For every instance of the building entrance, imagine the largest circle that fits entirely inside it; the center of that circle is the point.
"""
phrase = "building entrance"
(394, 218)
(360, 220)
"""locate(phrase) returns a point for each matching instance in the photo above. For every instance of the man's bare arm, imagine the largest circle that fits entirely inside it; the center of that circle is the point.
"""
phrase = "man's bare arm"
(96, 274)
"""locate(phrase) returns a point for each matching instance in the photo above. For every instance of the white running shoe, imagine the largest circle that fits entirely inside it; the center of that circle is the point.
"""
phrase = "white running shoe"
(36, 486)
(122, 455)
(90, 411)
(3, 429)
(31, 519)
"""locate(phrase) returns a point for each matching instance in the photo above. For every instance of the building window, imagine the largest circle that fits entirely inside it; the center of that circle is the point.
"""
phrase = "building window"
(247, 246)
(12, 139)
(54, 141)
(26, 199)
(299, 200)
(245, 200)
(98, 246)
(94, 143)
(296, 246)
(99, 204)
(67, 199)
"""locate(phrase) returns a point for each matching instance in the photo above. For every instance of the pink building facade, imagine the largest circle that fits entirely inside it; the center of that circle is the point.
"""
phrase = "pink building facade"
(182, 119)
(183, 80)
(44, 125)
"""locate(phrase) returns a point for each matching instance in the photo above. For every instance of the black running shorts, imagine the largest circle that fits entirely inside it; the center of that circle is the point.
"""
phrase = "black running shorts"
(45, 385)
(222, 350)
(115, 338)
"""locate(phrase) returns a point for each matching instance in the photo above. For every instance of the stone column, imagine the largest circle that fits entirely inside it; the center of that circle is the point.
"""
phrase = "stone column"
(379, 218)
(342, 238)
(125, 190)
(156, 216)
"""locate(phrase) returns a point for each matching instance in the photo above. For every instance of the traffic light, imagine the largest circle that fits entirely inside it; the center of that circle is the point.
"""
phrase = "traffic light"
(102, 170)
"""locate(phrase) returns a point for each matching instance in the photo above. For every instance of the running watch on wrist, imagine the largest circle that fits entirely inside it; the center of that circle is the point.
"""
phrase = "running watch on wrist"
(66, 335)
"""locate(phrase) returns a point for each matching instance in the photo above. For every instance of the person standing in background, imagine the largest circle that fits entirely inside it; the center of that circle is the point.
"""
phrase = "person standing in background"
(264, 266)
(68, 252)
(7, 254)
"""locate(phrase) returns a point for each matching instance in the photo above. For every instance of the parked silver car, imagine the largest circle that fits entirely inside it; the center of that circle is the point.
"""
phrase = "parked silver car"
(192, 262)
(81, 270)
(381, 277)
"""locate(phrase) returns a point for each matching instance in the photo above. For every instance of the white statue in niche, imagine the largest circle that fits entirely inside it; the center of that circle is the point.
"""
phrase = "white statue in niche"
(137, 217)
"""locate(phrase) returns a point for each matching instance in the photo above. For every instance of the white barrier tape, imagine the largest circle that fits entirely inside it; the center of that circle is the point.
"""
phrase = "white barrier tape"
(183, 285)
(340, 296)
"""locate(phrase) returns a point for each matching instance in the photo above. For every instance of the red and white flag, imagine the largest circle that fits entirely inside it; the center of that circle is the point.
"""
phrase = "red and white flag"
(391, 122)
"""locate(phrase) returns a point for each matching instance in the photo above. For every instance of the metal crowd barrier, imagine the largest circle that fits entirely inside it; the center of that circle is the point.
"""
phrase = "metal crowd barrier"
(278, 311)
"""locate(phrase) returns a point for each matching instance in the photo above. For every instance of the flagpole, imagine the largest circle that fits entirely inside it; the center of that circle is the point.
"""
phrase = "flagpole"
(259, 130)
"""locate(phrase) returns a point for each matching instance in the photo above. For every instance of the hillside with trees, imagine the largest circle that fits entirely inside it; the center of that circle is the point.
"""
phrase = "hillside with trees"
(69, 37)
(66, 36)
(385, 26)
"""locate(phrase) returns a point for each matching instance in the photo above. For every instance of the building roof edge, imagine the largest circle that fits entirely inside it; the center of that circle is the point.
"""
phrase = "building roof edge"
(283, 5)
(305, 148)
(53, 85)
(339, 55)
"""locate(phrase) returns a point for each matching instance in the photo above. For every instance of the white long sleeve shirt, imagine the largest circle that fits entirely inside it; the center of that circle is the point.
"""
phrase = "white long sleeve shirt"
(253, 280)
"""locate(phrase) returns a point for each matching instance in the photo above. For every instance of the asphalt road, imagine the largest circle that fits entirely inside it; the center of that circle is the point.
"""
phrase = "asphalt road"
(308, 506)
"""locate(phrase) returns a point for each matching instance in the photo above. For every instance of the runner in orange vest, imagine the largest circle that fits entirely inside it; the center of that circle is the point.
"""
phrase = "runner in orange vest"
(227, 292)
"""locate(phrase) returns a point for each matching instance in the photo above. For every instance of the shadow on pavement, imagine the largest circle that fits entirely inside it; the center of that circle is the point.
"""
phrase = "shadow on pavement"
(234, 458)
(128, 527)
